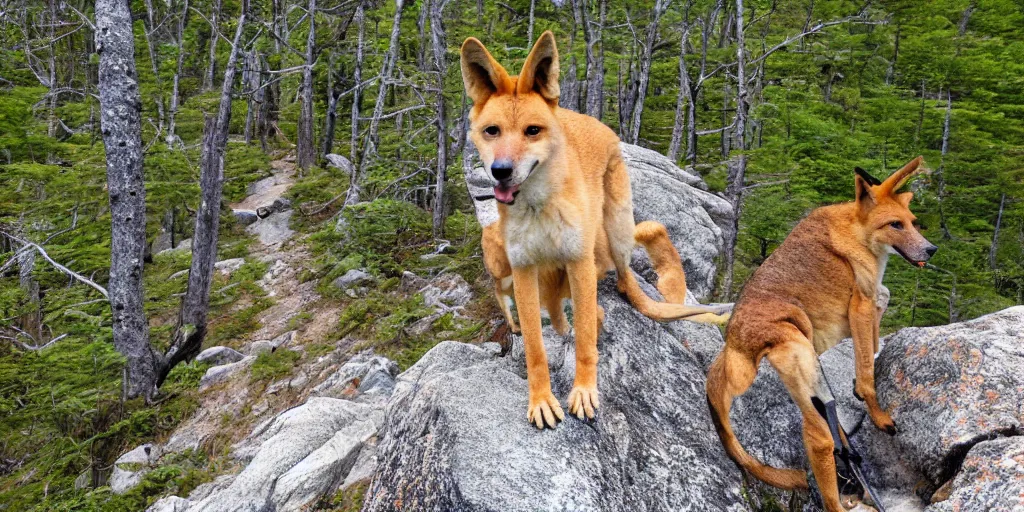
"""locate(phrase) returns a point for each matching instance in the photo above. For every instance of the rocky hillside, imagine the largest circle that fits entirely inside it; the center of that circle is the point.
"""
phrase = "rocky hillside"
(449, 433)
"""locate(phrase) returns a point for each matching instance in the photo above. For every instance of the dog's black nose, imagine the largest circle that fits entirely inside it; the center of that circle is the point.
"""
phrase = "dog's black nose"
(931, 250)
(501, 169)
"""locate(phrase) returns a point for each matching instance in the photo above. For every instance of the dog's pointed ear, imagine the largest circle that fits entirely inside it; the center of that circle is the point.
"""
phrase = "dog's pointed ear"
(540, 72)
(905, 198)
(865, 193)
(481, 74)
(901, 177)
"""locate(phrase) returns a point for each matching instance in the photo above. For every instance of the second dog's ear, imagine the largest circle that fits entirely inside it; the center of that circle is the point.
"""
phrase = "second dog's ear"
(865, 196)
(540, 72)
(481, 74)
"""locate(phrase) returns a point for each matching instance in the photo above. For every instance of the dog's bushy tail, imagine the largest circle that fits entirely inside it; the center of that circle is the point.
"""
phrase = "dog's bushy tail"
(671, 282)
(730, 375)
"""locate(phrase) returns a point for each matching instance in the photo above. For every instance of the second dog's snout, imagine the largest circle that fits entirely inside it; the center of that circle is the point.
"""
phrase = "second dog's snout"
(501, 169)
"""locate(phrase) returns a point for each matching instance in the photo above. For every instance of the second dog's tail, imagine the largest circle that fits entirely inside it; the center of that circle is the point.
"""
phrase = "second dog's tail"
(671, 282)
(730, 375)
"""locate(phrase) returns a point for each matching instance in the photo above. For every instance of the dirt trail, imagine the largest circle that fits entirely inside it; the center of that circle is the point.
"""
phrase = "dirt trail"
(265, 191)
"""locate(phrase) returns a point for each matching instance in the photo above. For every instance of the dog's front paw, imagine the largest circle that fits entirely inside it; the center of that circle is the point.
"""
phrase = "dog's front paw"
(583, 401)
(544, 410)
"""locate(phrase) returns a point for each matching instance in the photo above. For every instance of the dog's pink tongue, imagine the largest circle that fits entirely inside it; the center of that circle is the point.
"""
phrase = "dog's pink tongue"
(505, 194)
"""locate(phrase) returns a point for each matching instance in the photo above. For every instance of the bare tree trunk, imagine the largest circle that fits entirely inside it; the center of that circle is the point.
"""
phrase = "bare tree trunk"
(211, 69)
(650, 39)
(421, 25)
(595, 57)
(939, 179)
(569, 97)
(332, 110)
(158, 95)
(306, 154)
(387, 68)
(191, 326)
(437, 36)
(529, 27)
(31, 322)
(252, 77)
(357, 89)
(890, 72)
(175, 101)
(994, 248)
(121, 121)
(684, 90)
(737, 170)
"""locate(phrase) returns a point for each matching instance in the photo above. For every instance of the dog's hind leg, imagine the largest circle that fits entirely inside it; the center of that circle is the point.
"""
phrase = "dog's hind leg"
(499, 293)
(730, 376)
(797, 365)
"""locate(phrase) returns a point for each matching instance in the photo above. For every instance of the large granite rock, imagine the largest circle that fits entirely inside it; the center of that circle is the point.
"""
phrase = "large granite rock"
(457, 437)
(297, 457)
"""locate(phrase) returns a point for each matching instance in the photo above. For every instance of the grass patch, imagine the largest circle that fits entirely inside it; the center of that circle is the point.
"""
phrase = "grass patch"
(270, 366)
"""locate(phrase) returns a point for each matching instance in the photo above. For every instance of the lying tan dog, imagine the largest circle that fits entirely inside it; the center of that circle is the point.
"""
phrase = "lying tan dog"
(566, 210)
(818, 287)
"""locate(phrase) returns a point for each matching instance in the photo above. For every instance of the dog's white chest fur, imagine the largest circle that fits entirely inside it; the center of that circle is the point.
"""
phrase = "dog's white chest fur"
(541, 236)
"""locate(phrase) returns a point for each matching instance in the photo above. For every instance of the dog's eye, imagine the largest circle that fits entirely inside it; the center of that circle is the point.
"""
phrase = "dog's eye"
(492, 130)
(532, 130)
(896, 225)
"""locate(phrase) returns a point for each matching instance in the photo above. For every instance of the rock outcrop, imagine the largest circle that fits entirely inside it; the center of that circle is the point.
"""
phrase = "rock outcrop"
(457, 438)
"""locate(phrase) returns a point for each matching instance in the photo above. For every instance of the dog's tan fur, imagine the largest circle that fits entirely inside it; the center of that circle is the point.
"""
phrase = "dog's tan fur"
(571, 220)
(817, 288)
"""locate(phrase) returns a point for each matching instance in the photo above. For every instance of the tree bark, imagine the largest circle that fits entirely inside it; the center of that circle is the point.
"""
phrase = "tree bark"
(332, 110)
(306, 154)
(439, 45)
(158, 95)
(211, 68)
(121, 125)
(191, 326)
(529, 27)
(595, 58)
(357, 89)
(684, 90)
(650, 39)
(737, 171)
(252, 77)
(177, 75)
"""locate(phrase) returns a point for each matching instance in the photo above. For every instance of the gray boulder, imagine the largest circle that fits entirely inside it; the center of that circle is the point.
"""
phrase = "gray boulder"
(652, 446)
(130, 468)
(950, 388)
(354, 277)
(219, 356)
(364, 377)
(245, 217)
(273, 230)
(218, 374)
(340, 162)
(297, 457)
(227, 267)
(447, 290)
(991, 478)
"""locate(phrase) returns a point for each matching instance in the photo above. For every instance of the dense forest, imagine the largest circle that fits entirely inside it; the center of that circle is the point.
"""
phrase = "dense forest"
(772, 103)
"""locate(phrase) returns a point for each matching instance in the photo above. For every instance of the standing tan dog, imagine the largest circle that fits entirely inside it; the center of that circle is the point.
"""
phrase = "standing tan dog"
(565, 210)
(817, 288)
